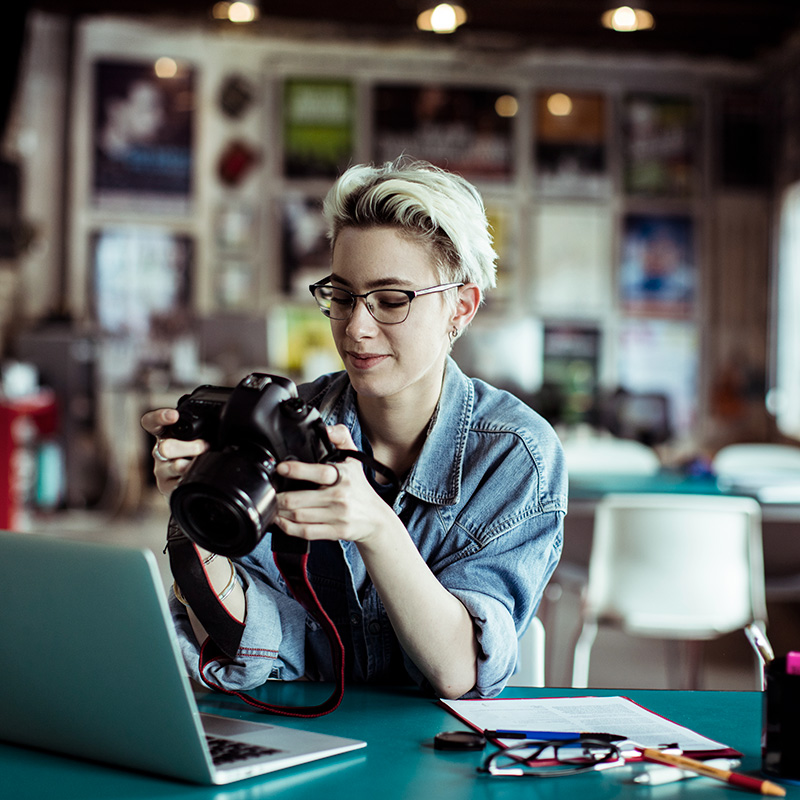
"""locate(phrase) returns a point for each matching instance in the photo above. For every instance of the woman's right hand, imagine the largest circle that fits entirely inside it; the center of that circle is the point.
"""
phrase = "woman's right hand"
(172, 457)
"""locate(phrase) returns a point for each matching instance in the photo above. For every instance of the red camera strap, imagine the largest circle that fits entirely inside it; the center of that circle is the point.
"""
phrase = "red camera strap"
(293, 567)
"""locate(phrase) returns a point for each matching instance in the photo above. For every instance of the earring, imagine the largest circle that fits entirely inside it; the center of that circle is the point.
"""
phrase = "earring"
(453, 334)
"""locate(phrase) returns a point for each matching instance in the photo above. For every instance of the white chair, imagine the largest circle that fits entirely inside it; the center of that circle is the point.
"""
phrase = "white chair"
(678, 567)
(604, 455)
(748, 457)
(770, 472)
(530, 662)
(589, 458)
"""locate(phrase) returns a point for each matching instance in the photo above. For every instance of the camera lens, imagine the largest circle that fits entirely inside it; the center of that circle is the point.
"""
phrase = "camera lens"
(212, 513)
(226, 500)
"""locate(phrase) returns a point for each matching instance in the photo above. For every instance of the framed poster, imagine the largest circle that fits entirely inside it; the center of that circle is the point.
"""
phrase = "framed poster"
(143, 137)
(660, 140)
(504, 230)
(503, 349)
(306, 251)
(570, 150)
(661, 357)
(300, 342)
(457, 129)
(571, 369)
(141, 282)
(572, 245)
(658, 275)
(318, 127)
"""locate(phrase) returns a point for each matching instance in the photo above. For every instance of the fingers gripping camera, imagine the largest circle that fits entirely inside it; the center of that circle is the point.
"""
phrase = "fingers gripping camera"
(226, 501)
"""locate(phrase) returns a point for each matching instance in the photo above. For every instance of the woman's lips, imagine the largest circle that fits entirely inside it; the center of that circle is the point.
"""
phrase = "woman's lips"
(365, 360)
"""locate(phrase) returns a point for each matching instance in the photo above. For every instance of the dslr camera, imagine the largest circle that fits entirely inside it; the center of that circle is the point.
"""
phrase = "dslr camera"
(226, 500)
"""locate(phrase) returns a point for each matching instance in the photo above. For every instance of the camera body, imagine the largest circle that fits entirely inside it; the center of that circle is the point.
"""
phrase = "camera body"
(226, 500)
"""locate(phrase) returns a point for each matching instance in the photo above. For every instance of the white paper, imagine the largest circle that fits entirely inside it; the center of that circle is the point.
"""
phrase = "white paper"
(617, 715)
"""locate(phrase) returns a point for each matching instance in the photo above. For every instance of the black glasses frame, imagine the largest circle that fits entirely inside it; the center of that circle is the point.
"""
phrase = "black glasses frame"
(409, 293)
(591, 754)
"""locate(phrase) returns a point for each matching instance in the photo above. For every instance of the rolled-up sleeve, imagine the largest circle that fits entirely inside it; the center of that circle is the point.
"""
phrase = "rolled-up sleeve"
(511, 574)
(501, 585)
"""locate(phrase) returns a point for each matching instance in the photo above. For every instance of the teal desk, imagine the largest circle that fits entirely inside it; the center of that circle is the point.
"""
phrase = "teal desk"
(399, 761)
(593, 487)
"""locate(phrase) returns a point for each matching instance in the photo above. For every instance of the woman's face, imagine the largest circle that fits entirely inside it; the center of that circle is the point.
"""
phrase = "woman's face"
(390, 361)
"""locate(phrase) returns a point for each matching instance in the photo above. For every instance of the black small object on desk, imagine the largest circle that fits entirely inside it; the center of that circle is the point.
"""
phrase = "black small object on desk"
(780, 757)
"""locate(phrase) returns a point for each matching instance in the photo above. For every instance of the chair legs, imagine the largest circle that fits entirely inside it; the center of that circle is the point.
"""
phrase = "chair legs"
(694, 651)
(684, 657)
(757, 636)
(582, 653)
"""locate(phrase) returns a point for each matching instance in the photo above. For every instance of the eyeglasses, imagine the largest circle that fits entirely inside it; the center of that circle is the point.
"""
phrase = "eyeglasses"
(387, 306)
(552, 759)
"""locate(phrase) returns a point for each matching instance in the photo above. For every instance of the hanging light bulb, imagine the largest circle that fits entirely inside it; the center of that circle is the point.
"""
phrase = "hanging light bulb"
(506, 106)
(444, 18)
(627, 18)
(239, 11)
(559, 104)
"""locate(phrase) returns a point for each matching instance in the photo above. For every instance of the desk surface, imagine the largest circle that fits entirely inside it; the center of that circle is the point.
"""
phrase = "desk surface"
(586, 490)
(399, 762)
(590, 487)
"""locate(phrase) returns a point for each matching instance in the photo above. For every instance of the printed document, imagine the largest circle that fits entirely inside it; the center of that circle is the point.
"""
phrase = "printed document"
(617, 715)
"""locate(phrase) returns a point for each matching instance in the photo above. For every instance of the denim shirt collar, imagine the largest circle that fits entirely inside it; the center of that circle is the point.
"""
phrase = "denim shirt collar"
(436, 475)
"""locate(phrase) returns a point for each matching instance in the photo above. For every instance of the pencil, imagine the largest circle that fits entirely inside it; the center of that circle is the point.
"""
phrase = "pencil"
(734, 778)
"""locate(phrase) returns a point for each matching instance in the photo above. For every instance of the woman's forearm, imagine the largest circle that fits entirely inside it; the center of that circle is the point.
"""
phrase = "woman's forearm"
(432, 625)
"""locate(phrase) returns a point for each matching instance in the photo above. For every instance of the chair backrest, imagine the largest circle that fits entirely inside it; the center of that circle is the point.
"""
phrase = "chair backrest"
(676, 566)
(605, 455)
(745, 458)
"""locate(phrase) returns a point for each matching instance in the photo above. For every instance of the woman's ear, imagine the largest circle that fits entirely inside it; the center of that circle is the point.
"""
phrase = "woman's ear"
(469, 298)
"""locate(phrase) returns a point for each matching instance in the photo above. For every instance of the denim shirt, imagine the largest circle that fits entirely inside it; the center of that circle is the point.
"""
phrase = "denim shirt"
(484, 504)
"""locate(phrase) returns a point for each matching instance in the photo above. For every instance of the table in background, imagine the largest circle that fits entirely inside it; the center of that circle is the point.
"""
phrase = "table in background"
(399, 760)
(780, 521)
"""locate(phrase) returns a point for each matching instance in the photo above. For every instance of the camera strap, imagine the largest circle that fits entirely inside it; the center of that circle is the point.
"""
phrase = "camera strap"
(189, 571)
(291, 558)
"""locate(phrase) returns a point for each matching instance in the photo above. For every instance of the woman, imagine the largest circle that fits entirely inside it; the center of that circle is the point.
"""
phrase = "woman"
(435, 581)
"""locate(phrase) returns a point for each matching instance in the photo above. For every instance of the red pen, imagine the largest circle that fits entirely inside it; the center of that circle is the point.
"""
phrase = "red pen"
(734, 778)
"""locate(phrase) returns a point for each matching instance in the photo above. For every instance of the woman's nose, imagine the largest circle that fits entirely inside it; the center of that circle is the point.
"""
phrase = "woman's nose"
(361, 321)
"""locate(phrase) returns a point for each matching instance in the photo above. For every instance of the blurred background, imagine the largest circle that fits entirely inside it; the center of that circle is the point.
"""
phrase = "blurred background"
(162, 169)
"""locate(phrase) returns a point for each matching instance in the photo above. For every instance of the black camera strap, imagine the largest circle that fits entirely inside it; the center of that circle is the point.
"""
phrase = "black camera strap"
(291, 558)
(189, 571)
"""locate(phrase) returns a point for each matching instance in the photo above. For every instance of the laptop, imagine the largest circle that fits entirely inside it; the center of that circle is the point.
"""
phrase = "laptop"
(91, 668)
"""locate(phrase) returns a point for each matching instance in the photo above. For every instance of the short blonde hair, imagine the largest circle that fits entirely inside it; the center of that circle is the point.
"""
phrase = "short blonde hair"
(430, 204)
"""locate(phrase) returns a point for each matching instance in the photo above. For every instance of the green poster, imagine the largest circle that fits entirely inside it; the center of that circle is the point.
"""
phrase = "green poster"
(318, 127)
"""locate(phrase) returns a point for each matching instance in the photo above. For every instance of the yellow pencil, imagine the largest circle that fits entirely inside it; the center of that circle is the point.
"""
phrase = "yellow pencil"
(734, 778)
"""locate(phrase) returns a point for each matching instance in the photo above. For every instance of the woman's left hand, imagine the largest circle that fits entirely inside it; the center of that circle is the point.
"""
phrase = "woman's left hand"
(344, 507)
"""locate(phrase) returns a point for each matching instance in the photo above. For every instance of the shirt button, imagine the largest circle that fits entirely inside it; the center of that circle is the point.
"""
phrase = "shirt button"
(374, 627)
(354, 619)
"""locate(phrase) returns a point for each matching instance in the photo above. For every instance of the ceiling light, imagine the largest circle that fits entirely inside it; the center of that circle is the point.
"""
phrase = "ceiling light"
(626, 18)
(444, 18)
(165, 67)
(506, 106)
(559, 104)
(239, 11)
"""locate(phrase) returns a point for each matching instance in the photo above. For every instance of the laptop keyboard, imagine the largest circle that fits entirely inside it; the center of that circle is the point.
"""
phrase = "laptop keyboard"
(226, 751)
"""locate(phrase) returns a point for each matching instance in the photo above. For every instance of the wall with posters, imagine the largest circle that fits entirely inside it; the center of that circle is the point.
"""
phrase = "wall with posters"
(199, 161)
